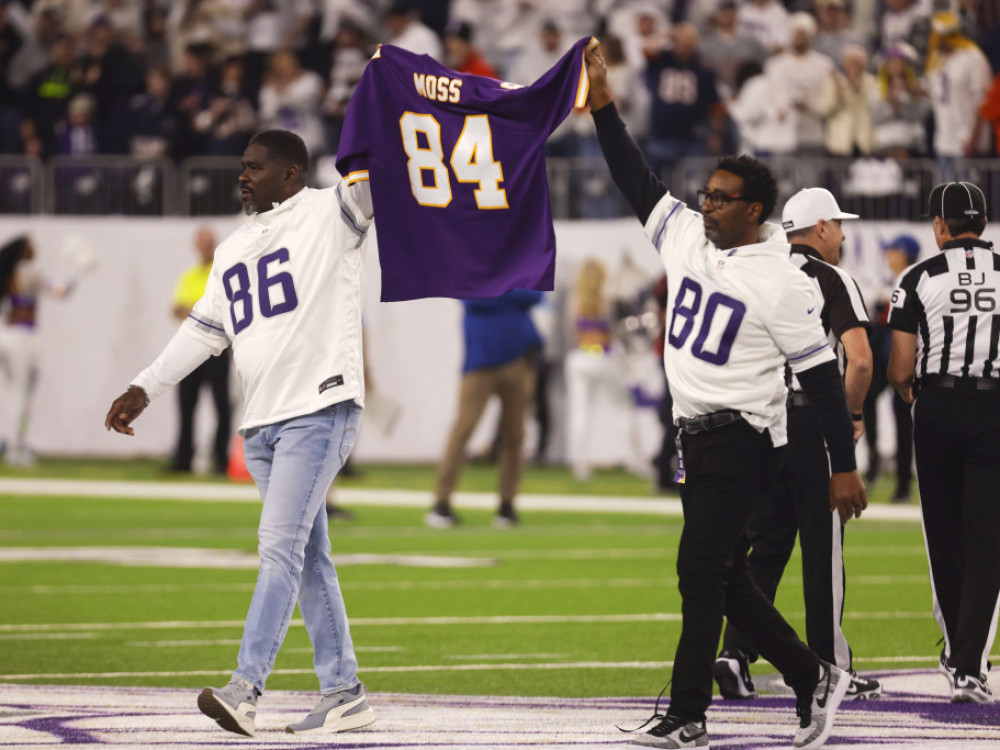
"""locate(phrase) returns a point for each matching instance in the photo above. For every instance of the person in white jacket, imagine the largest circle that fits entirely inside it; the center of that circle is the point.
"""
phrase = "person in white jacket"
(285, 293)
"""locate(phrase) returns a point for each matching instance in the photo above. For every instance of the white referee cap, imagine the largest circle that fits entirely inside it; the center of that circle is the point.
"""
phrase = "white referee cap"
(808, 206)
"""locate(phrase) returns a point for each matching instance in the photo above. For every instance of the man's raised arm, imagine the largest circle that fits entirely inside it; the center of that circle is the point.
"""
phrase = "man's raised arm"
(641, 188)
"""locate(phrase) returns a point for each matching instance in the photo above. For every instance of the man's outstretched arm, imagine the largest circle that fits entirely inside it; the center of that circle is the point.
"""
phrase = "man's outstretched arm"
(641, 188)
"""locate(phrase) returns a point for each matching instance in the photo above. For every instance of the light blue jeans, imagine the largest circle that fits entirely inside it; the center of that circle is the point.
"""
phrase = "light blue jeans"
(293, 463)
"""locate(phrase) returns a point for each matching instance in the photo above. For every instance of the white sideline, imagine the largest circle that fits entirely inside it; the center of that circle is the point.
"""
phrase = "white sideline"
(207, 491)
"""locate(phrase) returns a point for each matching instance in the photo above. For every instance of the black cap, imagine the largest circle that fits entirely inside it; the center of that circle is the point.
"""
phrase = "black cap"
(461, 29)
(957, 200)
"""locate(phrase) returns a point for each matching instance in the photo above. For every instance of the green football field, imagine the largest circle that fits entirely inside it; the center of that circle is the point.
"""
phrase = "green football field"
(133, 591)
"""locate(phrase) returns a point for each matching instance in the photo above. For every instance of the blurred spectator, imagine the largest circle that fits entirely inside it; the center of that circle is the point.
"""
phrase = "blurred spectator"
(290, 100)
(834, 29)
(112, 75)
(21, 286)
(12, 39)
(989, 115)
(155, 48)
(652, 30)
(763, 112)
(502, 27)
(406, 30)
(126, 19)
(218, 24)
(686, 114)
(724, 49)
(190, 92)
(590, 366)
(229, 120)
(461, 55)
(632, 98)
(272, 25)
(153, 120)
(846, 102)
(537, 56)
(765, 20)
(533, 61)
(48, 94)
(38, 33)
(898, 19)
(802, 72)
(77, 135)
(350, 57)
(361, 16)
(213, 372)
(900, 254)
(501, 344)
(900, 111)
(958, 77)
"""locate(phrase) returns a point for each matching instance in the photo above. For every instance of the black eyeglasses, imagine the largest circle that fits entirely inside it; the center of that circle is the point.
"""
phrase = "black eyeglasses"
(717, 198)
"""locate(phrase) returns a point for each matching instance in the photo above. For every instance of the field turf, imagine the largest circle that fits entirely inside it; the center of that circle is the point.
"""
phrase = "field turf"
(568, 604)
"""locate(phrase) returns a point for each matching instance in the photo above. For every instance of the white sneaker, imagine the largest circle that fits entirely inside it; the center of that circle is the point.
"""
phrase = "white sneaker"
(437, 520)
(233, 707)
(971, 689)
(337, 712)
(732, 673)
(816, 718)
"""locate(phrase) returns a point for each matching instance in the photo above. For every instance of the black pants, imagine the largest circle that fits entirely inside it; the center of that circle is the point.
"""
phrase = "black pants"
(215, 373)
(900, 412)
(957, 439)
(729, 469)
(799, 503)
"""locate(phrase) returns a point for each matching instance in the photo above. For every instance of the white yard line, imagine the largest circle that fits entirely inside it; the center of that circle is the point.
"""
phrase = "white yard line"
(416, 668)
(204, 491)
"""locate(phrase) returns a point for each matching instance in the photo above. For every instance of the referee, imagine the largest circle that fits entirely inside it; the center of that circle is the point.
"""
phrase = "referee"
(795, 505)
(945, 332)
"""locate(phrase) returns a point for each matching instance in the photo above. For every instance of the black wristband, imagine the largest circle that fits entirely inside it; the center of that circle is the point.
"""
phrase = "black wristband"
(858, 417)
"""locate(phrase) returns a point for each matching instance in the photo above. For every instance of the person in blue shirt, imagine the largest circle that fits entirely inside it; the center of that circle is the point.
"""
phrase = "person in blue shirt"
(501, 344)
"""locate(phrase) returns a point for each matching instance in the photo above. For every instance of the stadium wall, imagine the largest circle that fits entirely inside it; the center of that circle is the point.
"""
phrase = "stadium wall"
(118, 318)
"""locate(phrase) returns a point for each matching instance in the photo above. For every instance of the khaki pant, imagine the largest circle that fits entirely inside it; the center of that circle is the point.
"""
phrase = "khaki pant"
(514, 384)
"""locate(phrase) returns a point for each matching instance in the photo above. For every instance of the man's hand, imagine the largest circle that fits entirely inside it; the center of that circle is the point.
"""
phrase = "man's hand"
(597, 72)
(847, 495)
(124, 410)
(859, 429)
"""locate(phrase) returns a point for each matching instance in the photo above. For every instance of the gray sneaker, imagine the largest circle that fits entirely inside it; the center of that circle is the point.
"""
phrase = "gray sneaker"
(816, 718)
(233, 707)
(337, 712)
(673, 732)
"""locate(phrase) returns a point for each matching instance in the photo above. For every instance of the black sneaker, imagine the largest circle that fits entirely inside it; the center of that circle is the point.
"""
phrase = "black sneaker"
(673, 732)
(732, 672)
(862, 688)
(971, 688)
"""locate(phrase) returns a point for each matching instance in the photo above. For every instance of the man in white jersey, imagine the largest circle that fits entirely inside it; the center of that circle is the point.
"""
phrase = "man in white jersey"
(285, 292)
(737, 311)
(945, 360)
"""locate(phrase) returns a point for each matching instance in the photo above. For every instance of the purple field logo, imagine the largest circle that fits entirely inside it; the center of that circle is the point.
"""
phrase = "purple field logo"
(915, 713)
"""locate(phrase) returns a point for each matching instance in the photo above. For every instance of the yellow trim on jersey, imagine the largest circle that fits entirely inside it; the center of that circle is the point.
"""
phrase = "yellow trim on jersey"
(358, 176)
(583, 86)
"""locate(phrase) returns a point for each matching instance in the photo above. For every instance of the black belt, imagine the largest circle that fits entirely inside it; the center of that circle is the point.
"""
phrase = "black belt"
(706, 422)
(797, 398)
(960, 384)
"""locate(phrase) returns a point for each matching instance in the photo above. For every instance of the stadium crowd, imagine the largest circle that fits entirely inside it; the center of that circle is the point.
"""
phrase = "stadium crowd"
(850, 78)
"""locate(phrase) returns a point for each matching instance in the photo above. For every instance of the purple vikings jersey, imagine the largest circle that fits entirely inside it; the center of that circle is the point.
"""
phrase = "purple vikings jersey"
(457, 169)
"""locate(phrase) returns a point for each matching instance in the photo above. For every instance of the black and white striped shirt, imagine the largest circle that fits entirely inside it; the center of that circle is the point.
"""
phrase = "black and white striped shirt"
(951, 302)
(843, 305)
